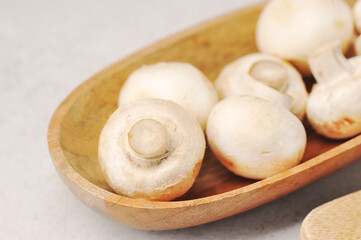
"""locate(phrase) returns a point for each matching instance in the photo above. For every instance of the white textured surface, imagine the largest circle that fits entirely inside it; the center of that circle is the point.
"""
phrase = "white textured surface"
(47, 48)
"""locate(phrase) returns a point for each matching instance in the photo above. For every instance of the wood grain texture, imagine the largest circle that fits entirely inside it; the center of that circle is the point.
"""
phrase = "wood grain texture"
(338, 219)
(217, 193)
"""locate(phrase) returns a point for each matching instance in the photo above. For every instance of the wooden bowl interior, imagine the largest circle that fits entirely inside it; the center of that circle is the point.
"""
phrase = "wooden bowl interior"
(208, 47)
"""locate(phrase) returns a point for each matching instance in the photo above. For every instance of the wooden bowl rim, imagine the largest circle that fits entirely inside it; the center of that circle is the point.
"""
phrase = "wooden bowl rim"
(63, 165)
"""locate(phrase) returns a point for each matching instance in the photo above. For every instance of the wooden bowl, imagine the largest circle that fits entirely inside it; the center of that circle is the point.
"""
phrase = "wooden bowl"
(217, 193)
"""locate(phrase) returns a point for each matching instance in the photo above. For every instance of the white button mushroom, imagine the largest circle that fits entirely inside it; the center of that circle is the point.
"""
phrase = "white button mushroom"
(294, 29)
(255, 138)
(265, 76)
(334, 105)
(151, 149)
(176, 81)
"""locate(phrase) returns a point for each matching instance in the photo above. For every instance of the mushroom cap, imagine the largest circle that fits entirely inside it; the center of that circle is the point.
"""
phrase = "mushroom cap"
(334, 108)
(357, 15)
(255, 138)
(177, 81)
(239, 78)
(294, 29)
(161, 178)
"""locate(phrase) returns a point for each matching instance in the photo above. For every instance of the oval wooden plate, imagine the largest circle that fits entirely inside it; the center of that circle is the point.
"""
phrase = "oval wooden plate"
(217, 193)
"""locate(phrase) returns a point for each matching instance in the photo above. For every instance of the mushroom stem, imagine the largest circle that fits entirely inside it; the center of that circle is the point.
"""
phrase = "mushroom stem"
(270, 73)
(148, 139)
(329, 64)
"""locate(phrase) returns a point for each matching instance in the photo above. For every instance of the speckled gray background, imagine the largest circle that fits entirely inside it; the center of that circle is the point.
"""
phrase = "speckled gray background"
(47, 48)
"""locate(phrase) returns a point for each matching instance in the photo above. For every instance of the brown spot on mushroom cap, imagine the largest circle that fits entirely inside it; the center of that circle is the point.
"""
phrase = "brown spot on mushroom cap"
(282, 13)
(340, 126)
(339, 24)
(320, 73)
